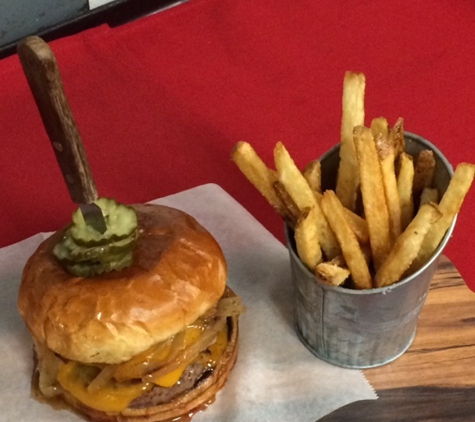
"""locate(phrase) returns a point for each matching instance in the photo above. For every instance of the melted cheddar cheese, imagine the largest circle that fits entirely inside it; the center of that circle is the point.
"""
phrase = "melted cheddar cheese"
(112, 397)
(116, 396)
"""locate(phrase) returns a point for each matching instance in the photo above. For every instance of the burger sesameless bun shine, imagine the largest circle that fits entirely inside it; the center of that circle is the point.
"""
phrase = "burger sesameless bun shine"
(178, 276)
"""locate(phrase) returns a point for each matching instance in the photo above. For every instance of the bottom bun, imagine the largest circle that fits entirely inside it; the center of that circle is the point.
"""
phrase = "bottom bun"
(182, 407)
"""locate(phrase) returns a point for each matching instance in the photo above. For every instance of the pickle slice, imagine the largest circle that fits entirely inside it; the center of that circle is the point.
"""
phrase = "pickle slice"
(62, 252)
(95, 253)
(107, 255)
(86, 252)
(121, 222)
(89, 269)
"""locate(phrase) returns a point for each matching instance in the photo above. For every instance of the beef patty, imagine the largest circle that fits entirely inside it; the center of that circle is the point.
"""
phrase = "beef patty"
(158, 395)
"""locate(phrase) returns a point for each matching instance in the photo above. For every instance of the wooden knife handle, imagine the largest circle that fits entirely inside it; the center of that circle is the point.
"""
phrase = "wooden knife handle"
(41, 70)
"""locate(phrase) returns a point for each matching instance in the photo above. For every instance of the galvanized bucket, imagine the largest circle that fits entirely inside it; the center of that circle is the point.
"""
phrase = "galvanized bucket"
(363, 328)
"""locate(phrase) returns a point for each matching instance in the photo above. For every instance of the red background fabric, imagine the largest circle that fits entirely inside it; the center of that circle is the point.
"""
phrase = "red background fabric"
(160, 102)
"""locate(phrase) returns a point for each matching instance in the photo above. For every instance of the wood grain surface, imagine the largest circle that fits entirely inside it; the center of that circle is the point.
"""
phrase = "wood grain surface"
(434, 380)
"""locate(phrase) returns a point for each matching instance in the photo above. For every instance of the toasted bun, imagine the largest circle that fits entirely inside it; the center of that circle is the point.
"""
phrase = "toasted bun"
(186, 404)
(179, 272)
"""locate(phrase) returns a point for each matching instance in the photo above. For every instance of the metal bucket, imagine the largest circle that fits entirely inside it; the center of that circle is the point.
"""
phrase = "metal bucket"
(363, 328)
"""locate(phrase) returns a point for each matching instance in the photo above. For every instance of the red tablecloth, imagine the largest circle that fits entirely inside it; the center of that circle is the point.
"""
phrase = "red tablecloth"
(160, 102)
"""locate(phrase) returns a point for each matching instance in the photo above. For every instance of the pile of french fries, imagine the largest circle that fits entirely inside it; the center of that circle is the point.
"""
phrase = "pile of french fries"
(384, 219)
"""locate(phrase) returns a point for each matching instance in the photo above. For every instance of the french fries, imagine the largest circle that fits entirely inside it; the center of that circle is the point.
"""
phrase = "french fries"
(407, 246)
(258, 174)
(380, 127)
(306, 239)
(313, 175)
(332, 274)
(303, 196)
(424, 171)
(381, 240)
(347, 184)
(358, 225)
(291, 178)
(350, 247)
(429, 195)
(292, 212)
(449, 207)
(405, 181)
(372, 190)
(396, 136)
(387, 156)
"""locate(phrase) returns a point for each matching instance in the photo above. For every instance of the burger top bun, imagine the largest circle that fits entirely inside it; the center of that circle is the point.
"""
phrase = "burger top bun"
(178, 273)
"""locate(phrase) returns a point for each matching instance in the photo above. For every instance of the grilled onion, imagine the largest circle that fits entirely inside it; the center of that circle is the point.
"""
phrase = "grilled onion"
(145, 362)
(102, 379)
(172, 353)
(187, 355)
(230, 306)
(48, 372)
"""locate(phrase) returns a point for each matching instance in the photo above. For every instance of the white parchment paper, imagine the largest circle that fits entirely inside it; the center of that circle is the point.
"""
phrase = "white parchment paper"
(275, 379)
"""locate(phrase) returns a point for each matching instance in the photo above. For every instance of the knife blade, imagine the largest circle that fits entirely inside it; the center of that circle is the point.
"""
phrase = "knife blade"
(42, 73)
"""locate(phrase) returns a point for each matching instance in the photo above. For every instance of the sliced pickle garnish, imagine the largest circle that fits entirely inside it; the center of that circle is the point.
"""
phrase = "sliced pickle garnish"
(89, 269)
(121, 222)
(85, 252)
(91, 253)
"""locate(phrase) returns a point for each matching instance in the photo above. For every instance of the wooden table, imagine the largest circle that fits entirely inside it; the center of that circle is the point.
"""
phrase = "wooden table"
(434, 380)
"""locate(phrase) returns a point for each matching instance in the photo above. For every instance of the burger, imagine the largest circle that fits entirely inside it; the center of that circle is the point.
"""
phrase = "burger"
(152, 340)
